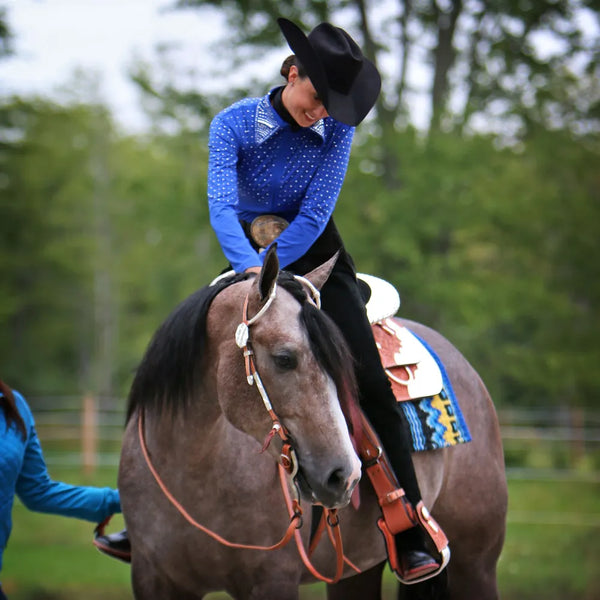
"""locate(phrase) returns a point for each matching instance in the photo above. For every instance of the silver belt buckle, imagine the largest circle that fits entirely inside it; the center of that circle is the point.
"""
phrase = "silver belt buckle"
(265, 229)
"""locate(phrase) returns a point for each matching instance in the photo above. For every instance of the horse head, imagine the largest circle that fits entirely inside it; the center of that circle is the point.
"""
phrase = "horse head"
(284, 364)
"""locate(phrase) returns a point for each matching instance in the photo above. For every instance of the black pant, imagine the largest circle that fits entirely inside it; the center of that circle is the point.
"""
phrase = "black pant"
(341, 299)
(2, 596)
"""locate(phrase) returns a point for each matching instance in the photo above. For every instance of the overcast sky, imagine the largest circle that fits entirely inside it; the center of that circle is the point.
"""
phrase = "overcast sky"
(104, 37)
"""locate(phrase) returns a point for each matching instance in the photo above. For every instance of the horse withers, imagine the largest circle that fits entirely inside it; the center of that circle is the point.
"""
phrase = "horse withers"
(207, 507)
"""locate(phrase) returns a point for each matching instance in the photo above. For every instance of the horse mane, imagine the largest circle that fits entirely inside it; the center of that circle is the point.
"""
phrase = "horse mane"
(166, 376)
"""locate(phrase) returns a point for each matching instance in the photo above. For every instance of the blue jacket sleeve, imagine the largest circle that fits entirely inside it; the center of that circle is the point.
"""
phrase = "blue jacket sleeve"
(40, 493)
(320, 200)
(223, 196)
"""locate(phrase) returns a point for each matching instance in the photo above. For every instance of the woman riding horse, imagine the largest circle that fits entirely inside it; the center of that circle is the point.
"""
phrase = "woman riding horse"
(276, 168)
(282, 158)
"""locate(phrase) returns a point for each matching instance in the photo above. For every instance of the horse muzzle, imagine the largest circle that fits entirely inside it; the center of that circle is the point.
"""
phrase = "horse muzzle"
(331, 487)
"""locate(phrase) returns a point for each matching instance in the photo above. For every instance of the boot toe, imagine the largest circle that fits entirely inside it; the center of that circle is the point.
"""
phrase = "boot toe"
(416, 564)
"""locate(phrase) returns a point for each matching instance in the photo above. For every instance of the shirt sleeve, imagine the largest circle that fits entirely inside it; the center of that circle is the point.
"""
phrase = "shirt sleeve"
(223, 147)
(40, 493)
(319, 201)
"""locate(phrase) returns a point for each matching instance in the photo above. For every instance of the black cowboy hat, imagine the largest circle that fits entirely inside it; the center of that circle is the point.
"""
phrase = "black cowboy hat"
(347, 82)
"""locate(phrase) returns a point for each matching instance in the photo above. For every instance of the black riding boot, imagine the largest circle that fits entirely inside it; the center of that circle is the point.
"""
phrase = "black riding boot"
(414, 558)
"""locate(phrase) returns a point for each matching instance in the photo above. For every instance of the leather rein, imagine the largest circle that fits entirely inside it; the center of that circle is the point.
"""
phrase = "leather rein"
(287, 467)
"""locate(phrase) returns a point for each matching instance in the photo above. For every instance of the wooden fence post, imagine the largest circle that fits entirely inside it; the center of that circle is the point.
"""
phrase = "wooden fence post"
(577, 426)
(89, 434)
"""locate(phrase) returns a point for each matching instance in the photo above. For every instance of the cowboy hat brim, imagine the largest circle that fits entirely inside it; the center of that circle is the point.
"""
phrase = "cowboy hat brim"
(350, 107)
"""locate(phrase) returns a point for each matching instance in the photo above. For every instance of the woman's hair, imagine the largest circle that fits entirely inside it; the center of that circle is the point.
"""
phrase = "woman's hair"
(9, 406)
(287, 63)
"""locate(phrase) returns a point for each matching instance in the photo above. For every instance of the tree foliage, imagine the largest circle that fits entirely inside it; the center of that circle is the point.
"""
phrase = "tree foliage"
(494, 249)
(489, 64)
(101, 235)
(493, 244)
(5, 34)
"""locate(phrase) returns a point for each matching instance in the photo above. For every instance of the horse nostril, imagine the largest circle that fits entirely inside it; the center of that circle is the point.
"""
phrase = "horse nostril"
(337, 480)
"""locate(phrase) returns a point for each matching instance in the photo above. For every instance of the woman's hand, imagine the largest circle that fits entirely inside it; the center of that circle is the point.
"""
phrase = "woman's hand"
(253, 270)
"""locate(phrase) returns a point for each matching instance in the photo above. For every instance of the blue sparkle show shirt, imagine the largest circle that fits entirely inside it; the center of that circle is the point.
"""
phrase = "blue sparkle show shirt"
(23, 471)
(258, 164)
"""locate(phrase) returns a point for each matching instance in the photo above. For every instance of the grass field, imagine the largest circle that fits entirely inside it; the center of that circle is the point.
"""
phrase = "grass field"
(551, 550)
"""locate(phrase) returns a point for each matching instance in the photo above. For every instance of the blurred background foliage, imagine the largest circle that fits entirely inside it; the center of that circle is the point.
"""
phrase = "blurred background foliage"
(486, 219)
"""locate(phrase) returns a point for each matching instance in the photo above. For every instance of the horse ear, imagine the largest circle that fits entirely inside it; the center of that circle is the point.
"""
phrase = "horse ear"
(269, 272)
(321, 274)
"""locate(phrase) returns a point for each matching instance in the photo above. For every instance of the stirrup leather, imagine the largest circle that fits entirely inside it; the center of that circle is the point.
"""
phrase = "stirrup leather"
(398, 513)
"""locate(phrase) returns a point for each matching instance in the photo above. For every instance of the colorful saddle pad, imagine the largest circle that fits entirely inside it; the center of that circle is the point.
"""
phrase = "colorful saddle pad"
(421, 385)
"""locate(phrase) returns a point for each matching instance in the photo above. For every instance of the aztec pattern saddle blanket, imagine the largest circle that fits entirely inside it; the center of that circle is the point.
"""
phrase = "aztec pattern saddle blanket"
(421, 386)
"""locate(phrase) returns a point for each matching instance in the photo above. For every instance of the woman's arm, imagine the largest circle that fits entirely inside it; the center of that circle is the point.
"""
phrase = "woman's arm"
(223, 196)
(319, 201)
(40, 493)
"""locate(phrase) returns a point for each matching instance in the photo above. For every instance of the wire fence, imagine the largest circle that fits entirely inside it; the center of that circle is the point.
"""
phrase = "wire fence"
(559, 444)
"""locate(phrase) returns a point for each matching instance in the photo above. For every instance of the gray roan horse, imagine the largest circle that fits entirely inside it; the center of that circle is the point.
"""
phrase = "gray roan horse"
(203, 427)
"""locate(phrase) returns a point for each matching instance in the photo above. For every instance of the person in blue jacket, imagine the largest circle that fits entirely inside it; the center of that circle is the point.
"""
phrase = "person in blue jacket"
(23, 472)
(276, 168)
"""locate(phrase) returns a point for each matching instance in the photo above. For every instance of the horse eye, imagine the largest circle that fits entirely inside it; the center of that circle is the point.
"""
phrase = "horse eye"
(285, 360)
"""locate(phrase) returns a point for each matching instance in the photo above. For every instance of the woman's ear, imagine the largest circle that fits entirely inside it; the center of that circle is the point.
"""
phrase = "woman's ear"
(293, 74)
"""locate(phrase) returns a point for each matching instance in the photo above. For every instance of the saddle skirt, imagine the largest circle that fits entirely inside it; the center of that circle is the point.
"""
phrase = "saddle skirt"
(418, 378)
(411, 369)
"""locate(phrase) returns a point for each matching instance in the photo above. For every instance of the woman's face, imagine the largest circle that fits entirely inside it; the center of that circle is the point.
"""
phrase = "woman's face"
(301, 100)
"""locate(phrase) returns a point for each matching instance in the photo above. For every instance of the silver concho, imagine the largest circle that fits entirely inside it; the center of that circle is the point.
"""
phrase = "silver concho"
(241, 335)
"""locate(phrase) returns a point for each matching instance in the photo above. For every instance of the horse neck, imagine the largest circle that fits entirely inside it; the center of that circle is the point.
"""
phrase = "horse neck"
(202, 424)
(202, 448)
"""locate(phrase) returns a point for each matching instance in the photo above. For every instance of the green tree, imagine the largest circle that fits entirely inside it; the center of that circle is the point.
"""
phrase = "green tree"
(101, 235)
(495, 249)
(48, 238)
(5, 34)
(487, 61)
